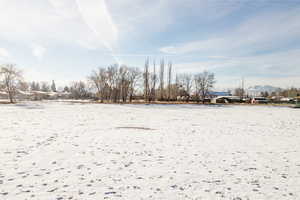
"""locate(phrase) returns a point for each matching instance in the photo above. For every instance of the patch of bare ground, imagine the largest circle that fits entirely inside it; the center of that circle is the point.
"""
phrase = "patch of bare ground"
(135, 127)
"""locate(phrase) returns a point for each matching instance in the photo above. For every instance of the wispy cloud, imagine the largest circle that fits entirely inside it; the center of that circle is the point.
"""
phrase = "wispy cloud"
(232, 38)
(281, 67)
(4, 53)
(262, 32)
(143, 17)
(38, 51)
(52, 22)
(98, 19)
(261, 47)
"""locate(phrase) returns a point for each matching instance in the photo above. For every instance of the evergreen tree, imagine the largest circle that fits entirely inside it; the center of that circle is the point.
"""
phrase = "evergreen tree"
(53, 86)
(45, 87)
(66, 89)
(37, 87)
(33, 86)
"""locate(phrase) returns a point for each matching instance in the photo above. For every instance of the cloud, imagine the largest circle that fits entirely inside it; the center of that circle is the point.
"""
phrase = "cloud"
(230, 82)
(98, 19)
(49, 23)
(38, 51)
(94, 22)
(65, 8)
(143, 17)
(262, 48)
(277, 69)
(280, 67)
(4, 53)
(262, 32)
(230, 38)
(202, 45)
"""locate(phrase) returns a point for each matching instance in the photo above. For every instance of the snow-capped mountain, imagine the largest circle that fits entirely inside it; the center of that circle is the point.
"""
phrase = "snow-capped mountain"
(257, 89)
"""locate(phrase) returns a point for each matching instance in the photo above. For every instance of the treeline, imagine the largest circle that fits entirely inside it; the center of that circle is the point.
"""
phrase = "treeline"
(115, 83)
(156, 82)
(121, 84)
(289, 93)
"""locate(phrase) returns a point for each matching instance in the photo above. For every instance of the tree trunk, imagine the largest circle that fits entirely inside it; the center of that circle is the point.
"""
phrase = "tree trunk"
(11, 100)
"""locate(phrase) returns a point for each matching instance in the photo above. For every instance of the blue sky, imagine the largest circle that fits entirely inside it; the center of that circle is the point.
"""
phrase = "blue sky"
(63, 40)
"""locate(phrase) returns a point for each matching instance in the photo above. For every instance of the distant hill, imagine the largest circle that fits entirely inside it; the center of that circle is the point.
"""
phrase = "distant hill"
(257, 89)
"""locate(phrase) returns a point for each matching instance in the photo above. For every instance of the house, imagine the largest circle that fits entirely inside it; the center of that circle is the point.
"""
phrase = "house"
(227, 99)
(3, 95)
(219, 94)
(224, 97)
(259, 100)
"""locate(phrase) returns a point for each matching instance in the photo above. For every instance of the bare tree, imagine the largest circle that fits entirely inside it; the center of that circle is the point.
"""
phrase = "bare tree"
(134, 77)
(119, 83)
(10, 77)
(176, 88)
(161, 79)
(79, 90)
(264, 94)
(23, 86)
(169, 80)
(204, 82)
(146, 81)
(99, 80)
(187, 85)
(115, 82)
(153, 83)
(124, 82)
(239, 92)
(112, 82)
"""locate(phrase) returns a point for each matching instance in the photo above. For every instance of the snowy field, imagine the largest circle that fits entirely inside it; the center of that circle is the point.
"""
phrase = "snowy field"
(57, 151)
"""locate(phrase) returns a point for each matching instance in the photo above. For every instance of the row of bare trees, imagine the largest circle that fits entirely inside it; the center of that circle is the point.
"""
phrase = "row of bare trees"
(121, 84)
(115, 83)
(202, 83)
(152, 79)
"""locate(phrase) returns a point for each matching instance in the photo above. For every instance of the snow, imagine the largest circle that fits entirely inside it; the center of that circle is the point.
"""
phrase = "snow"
(78, 151)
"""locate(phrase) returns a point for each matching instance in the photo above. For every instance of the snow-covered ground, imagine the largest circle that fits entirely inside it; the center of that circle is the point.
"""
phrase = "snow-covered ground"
(55, 151)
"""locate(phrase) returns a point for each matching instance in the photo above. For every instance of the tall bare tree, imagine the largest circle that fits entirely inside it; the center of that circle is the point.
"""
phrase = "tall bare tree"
(134, 77)
(239, 92)
(98, 79)
(23, 86)
(169, 80)
(161, 79)
(10, 76)
(112, 75)
(124, 82)
(153, 83)
(204, 82)
(79, 90)
(115, 82)
(146, 81)
(186, 81)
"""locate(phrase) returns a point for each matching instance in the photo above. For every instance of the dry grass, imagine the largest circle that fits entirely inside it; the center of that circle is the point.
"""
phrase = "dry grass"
(5, 102)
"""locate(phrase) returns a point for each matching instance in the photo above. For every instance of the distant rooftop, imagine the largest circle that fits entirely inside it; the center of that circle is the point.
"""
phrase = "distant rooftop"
(220, 93)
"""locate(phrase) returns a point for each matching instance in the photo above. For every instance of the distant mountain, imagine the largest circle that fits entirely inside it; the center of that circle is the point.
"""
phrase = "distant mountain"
(257, 89)
(264, 88)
